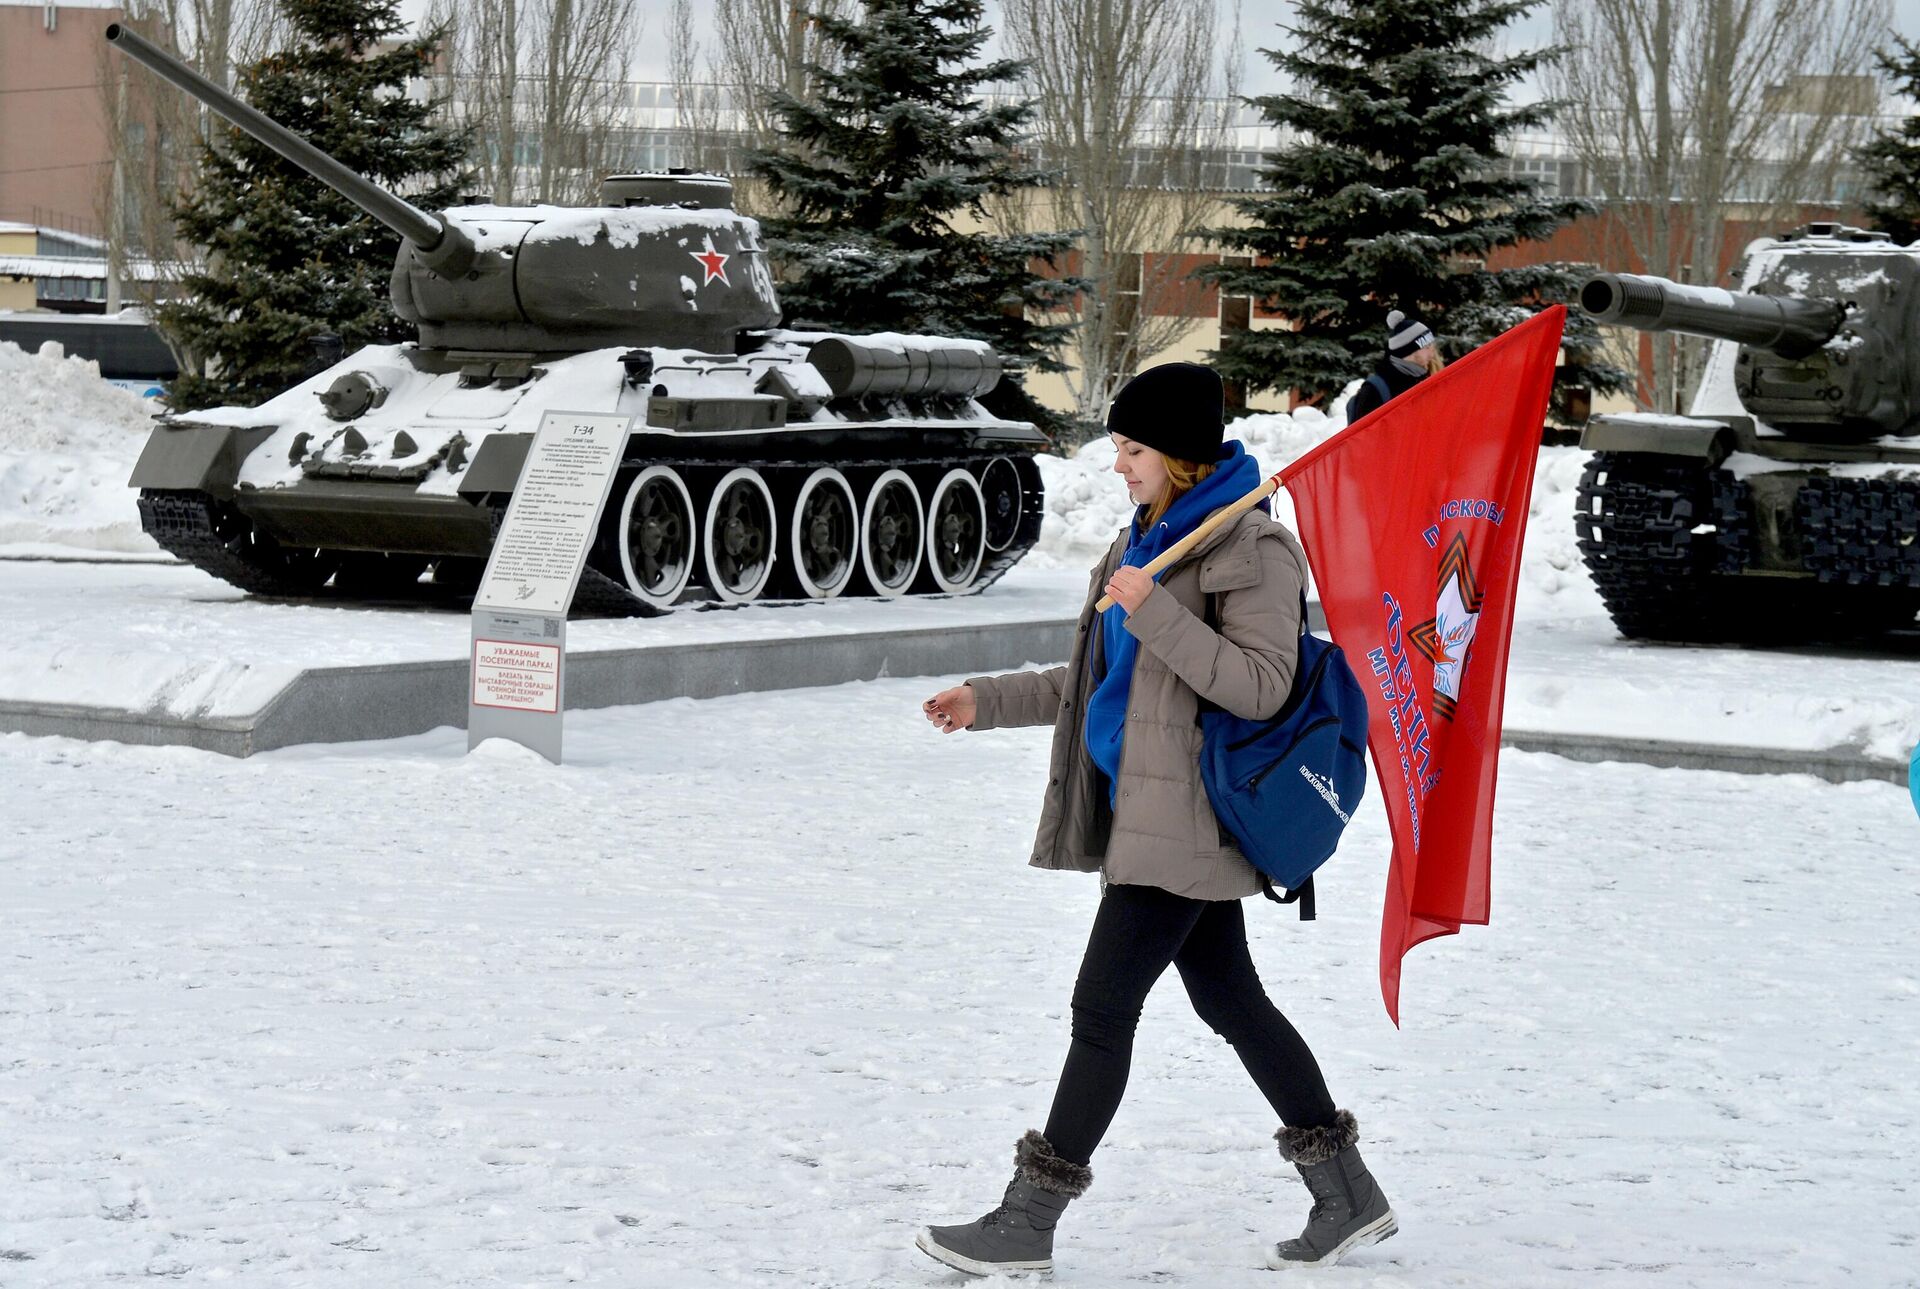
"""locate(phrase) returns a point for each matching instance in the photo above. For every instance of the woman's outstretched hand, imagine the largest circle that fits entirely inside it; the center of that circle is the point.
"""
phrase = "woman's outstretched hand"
(950, 709)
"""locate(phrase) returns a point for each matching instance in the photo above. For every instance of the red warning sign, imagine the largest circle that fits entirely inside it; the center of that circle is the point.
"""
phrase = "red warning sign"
(517, 675)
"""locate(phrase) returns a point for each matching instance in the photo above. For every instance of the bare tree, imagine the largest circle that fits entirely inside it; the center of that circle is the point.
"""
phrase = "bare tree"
(696, 98)
(154, 130)
(762, 45)
(546, 77)
(1135, 100)
(478, 79)
(1683, 112)
(588, 60)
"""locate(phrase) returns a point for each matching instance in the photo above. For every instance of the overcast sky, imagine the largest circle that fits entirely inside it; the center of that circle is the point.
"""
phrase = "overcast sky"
(1259, 27)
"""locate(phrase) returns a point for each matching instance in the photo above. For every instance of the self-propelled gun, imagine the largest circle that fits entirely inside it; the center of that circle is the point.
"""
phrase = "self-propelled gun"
(1787, 503)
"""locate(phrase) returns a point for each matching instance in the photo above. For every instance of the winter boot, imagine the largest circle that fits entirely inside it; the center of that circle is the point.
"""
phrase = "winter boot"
(1349, 1212)
(1017, 1236)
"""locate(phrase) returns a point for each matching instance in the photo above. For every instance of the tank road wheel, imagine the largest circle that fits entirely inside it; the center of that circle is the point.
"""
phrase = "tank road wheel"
(655, 536)
(891, 546)
(1001, 492)
(739, 536)
(956, 532)
(822, 539)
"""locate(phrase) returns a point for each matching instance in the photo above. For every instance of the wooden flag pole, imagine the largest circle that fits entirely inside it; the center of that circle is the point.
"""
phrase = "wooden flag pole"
(1225, 515)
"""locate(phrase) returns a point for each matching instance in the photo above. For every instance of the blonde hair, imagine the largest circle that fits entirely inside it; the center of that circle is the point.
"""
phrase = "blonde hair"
(1435, 363)
(1181, 477)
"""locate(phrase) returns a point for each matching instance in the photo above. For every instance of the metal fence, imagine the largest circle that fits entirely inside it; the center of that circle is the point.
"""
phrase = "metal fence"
(708, 126)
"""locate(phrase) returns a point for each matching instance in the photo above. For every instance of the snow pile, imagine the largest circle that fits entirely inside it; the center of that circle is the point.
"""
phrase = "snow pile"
(1087, 504)
(68, 441)
(1554, 581)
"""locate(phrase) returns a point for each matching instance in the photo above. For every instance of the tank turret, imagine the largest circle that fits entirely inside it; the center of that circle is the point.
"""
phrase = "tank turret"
(1787, 504)
(666, 260)
(1822, 341)
(761, 462)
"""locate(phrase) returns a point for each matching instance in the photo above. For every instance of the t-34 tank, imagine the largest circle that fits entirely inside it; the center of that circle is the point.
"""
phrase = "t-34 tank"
(762, 462)
(1787, 504)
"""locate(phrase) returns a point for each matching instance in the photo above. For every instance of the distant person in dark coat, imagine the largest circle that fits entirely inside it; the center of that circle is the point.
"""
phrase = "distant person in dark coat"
(1411, 357)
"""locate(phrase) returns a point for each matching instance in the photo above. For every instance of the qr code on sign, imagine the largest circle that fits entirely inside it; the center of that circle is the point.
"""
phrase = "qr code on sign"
(550, 627)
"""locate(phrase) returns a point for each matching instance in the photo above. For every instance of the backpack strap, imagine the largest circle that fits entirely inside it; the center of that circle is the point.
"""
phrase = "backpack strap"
(1302, 896)
(1378, 384)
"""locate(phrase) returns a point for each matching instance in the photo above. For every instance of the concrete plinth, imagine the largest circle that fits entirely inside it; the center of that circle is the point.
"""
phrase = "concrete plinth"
(350, 704)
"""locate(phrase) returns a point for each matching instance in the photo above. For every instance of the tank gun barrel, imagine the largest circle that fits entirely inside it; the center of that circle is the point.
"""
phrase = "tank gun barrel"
(442, 244)
(1786, 325)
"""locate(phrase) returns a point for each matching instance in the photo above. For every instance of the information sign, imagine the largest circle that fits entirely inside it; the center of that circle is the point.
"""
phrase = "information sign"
(518, 686)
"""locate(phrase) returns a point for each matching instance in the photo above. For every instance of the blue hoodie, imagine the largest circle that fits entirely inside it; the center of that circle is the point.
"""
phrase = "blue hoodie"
(1235, 475)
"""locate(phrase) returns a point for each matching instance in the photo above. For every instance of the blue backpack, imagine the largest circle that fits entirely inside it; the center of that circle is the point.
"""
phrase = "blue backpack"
(1285, 787)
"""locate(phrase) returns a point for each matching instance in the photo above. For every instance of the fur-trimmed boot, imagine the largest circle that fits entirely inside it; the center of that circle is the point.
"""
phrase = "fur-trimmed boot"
(1349, 1210)
(1017, 1236)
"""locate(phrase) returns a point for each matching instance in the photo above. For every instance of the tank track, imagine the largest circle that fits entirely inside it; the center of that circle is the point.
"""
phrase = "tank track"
(210, 535)
(213, 537)
(1637, 521)
(1861, 532)
(1667, 539)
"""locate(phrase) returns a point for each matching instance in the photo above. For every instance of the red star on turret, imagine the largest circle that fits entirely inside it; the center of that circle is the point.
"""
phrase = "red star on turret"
(715, 264)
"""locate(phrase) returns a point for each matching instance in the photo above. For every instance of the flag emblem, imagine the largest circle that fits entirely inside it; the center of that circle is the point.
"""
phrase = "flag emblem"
(1447, 637)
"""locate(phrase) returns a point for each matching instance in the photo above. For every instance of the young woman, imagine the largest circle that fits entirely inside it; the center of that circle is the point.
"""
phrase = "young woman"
(1412, 356)
(1124, 798)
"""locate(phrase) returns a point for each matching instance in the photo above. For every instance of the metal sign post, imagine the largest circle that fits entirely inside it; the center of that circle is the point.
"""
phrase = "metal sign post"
(517, 687)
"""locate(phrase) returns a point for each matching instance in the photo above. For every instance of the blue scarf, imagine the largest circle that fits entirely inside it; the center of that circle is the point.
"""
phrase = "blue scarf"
(1234, 476)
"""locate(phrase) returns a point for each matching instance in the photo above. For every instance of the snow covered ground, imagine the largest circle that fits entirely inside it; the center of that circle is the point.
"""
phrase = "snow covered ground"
(753, 986)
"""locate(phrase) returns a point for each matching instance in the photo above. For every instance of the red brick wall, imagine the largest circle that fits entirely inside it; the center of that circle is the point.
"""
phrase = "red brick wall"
(54, 157)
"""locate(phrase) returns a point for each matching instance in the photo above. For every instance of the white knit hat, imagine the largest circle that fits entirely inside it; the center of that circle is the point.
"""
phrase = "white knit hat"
(1405, 335)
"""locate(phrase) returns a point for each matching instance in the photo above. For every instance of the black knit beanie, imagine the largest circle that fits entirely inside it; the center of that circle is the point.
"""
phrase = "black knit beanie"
(1406, 334)
(1178, 408)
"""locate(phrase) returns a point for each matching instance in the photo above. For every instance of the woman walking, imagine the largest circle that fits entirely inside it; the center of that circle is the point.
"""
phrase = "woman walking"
(1124, 797)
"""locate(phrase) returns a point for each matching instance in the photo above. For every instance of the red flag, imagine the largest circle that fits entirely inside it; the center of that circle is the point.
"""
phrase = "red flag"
(1412, 519)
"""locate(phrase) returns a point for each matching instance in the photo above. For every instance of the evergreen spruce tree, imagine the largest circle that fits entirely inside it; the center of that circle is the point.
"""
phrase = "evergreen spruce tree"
(1391, 194)
(1892, 160)
(287, 257)
(875, 168)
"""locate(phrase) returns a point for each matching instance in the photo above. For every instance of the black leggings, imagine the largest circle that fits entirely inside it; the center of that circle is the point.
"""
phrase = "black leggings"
(1138, 931)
